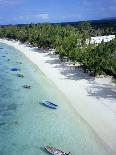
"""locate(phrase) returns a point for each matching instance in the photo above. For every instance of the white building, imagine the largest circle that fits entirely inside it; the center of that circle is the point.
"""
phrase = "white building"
(99, 39)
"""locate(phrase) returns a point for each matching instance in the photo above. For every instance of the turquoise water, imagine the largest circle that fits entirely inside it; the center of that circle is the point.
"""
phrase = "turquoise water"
(25, 125)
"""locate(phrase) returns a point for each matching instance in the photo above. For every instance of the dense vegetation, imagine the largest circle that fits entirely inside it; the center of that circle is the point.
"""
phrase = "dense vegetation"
(100, 27)
(69, 42)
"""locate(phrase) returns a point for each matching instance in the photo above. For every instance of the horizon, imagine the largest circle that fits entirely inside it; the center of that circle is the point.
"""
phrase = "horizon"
(71, 22)
(39, 11)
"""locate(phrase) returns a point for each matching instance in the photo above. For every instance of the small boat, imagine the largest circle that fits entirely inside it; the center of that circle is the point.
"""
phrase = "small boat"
(27, 86)
(55, 151)
(49, 104)
(15, 69)
(18, 62)
(20, 75)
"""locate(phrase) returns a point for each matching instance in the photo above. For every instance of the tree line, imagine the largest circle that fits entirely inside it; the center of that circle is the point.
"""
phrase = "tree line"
(69, 43)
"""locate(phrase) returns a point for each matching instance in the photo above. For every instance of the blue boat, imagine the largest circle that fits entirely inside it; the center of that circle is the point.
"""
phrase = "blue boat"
(15, 69)
(49, 104)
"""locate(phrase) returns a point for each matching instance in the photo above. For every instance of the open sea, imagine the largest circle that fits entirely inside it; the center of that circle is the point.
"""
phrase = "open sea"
(25, 125)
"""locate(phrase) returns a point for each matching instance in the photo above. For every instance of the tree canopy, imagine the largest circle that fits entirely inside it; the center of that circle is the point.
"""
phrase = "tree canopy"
(70, 44)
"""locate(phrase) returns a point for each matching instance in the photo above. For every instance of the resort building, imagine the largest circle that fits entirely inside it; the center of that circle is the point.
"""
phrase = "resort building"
(99, 39)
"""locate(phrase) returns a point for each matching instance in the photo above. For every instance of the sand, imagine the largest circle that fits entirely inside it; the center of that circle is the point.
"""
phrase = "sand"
(94, 99)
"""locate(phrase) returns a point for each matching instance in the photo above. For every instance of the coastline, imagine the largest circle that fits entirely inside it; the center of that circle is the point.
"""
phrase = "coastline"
(92, 98)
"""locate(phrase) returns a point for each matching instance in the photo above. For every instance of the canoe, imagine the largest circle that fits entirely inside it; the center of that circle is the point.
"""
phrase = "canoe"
(20, 75)
(55, 151)
(18, 62)
(49, 104)
(15, 69)
(27, 86)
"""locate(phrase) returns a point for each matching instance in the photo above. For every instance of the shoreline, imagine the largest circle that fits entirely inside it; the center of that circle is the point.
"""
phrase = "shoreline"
(92, 98)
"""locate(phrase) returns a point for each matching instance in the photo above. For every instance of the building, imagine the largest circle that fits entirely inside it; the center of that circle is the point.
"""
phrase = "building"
(99, 39)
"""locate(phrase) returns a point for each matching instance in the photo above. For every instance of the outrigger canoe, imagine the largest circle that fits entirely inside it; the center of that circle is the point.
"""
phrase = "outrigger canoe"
(55, 151)
(49, 104)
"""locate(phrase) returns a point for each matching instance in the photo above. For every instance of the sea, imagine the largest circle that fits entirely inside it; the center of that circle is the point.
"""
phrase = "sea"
(26, 126)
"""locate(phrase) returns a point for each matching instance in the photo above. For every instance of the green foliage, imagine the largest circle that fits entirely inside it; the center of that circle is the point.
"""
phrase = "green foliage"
(69, 43)
(100, 59)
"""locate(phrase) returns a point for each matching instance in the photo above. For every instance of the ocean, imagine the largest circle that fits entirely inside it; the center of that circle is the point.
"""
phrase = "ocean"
(26, 126)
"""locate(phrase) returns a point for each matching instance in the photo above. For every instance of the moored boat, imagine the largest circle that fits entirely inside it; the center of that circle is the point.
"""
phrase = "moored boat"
(15, 69)
(18, 62)
(55, 151)
(49, 104)
(20, 75)
(27, 86)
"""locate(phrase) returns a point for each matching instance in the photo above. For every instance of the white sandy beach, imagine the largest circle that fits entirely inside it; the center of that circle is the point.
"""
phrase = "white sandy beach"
(94, 99)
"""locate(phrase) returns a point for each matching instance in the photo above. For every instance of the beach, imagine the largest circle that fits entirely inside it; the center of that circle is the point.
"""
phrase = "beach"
(92, 98)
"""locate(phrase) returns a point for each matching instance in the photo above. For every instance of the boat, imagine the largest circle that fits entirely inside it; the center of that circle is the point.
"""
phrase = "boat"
(55, 151)
(49, 104)
(27, 86)
(15, 69)
(20, 75)
(18, 62)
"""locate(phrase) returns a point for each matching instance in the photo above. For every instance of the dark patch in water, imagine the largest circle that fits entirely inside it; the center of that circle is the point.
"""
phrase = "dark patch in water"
(13, 123)
(2, 123)
(3, 56)
(5, 108)
(11, 107)
(16, 122)
(1, 48)
(14, 144)
(4, 94)
(2, 108)
(4, 114)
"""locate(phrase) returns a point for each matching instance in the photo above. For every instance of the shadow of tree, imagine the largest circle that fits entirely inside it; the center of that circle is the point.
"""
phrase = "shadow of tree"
(76, 73)
(102, 91)
(70, 72)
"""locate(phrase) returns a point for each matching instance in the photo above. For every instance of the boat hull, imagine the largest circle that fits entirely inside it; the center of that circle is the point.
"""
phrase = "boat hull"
(49, 104)
(55, 151)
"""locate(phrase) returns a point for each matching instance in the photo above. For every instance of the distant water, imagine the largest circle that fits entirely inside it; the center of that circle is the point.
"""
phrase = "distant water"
(25, 125)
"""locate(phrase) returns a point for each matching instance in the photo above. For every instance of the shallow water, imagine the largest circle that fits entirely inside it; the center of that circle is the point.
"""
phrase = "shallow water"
(25, 125)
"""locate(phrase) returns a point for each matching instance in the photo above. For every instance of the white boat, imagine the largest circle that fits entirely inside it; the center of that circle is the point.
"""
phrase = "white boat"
(55, 151)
